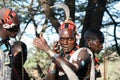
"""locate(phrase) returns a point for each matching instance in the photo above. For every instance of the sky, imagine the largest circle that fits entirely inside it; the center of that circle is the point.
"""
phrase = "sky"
(29, 36)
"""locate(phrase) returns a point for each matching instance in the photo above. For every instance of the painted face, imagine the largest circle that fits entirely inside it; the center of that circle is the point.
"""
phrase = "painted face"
(67, 39)
(96, 46)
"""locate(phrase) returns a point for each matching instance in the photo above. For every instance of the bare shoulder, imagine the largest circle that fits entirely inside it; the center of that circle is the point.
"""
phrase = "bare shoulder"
(83, 53)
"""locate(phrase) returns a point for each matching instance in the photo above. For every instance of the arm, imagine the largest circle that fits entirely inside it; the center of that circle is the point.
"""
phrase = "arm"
(52, 72)
(83, 58)
(42, 44)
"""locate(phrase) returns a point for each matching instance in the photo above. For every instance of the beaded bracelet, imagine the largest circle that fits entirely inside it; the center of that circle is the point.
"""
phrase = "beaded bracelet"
(53, 71)
(52, 54)
(54, 57)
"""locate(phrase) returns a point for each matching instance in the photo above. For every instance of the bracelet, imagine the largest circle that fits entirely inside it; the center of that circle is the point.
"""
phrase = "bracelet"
(54, 57)
(53, 71)
(52, 54)
(52, 68)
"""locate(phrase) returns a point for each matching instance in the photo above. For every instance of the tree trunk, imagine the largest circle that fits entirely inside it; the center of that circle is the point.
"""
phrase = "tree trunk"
(50, 14)
(93, 17)
(71, 5)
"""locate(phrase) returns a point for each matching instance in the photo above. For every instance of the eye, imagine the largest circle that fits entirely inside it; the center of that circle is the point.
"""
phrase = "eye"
(61, 39)
(98, 42)
(70, 39)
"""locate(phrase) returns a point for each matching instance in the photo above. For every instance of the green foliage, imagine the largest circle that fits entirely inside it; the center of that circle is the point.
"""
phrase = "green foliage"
(37, 57)
(107, 52)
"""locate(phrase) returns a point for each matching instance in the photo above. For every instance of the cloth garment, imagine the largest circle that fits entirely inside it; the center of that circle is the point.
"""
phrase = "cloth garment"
(5, 69)
(74, 57)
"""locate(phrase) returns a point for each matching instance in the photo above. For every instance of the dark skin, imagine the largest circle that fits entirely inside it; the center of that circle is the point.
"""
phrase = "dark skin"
(12, 29)
(20, 56)
(95, 45)
(67, 42)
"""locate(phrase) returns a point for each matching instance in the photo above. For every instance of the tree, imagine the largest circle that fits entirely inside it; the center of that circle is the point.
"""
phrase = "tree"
(89, 14)
(94, 14)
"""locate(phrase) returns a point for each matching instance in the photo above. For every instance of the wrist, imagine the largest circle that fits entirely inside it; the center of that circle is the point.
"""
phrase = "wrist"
(52, 54)
(52, 68)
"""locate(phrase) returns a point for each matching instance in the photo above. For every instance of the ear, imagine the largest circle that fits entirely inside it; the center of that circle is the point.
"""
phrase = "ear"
(89, 43)
(15, 53)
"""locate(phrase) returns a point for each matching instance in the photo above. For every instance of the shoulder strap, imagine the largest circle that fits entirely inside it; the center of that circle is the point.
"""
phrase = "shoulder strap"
(92, 72)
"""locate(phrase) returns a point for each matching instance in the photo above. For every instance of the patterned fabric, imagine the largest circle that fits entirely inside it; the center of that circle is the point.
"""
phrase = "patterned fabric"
(5, 69)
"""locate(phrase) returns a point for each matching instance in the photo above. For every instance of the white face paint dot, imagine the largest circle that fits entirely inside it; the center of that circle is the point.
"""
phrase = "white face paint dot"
(65, 32)
(7, 26)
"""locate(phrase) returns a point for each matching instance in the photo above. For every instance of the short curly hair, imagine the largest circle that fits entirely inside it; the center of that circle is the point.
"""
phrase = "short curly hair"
(93, 34)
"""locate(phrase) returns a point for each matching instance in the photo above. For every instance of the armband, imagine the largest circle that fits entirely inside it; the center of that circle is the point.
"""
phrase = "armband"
(83, 62)
(52, 68)
(53, 71)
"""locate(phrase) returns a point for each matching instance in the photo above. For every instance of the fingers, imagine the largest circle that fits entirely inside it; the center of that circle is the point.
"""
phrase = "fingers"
(39, 41)
(56, 47)
(55, 44)
(35, 42)
(41, 35)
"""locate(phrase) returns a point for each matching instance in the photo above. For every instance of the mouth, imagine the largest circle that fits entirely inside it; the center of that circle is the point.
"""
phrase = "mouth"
(65, 47)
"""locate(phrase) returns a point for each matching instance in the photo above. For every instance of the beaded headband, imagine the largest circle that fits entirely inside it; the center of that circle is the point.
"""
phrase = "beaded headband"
(7, 21)
(69, 24)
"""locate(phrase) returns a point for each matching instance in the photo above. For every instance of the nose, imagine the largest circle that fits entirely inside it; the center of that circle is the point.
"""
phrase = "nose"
(65, 41)
(101, 46)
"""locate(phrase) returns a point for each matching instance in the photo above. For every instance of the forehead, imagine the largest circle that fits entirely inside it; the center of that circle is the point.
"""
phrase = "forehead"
(66, 32)
(15, 20)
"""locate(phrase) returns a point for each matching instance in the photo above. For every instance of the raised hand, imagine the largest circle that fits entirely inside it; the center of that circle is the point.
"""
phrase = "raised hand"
(56, 47)
(41, 43)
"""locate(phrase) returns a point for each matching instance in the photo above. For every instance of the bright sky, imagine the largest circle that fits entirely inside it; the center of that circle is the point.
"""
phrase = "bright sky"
(29, 36)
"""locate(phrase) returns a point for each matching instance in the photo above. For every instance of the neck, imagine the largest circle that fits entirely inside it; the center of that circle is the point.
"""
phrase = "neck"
(3, 34)
(3, 38)
(3, 41)
(72, 51)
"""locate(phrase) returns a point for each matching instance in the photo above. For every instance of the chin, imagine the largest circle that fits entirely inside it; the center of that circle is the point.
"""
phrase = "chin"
(66, 51)
(98, 51)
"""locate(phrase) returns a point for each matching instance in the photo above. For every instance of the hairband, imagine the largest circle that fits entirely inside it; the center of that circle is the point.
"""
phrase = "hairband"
(7, 21)
(68, 24)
